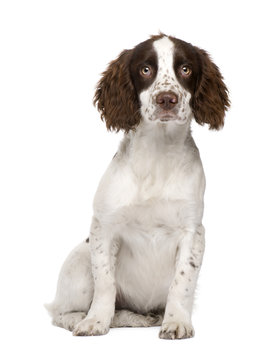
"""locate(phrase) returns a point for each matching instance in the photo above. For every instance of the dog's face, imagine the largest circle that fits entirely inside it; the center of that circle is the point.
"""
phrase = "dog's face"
(164, 77)
(162, 80)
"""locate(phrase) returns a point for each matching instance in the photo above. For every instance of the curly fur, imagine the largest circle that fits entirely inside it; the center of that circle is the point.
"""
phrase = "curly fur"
(115, 96)
(210, 100)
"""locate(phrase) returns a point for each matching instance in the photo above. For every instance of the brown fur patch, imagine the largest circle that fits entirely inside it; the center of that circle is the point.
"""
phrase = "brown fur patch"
(115, 96)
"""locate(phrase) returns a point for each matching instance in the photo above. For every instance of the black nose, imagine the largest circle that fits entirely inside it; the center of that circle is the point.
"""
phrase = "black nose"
(167, 100)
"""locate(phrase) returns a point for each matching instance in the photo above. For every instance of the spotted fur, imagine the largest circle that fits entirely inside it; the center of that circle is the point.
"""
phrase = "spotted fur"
(146, 242)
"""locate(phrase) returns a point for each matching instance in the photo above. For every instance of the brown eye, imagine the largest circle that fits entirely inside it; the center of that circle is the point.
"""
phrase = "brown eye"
(146, 71)
(185, 70)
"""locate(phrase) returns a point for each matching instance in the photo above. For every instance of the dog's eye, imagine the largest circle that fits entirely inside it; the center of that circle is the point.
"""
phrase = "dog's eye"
(185, 70)
(146, 71)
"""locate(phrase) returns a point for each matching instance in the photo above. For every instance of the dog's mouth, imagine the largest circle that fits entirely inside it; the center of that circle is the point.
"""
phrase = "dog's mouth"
(166, 115)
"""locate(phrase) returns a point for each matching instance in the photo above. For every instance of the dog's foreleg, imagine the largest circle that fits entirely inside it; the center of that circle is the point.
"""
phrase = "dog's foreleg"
(177, 320)
(103, 255)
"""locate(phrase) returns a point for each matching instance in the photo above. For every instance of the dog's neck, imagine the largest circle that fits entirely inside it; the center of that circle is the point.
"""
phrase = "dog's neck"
(159, 137)
(157, 145)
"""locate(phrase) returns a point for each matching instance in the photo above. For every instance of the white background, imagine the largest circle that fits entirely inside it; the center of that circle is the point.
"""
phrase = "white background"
(54, 149)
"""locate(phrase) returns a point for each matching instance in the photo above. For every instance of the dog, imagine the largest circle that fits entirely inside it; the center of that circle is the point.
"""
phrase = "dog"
(140, 264)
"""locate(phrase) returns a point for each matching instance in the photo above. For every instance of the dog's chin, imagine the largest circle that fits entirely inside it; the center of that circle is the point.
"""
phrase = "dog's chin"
(166, 118)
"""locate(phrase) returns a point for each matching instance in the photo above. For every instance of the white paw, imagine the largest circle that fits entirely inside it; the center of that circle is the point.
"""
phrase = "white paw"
(89, 327)
(176, 330)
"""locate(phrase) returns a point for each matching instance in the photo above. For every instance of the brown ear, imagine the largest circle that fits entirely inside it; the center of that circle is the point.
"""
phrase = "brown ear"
(210, 100)
(116, 97)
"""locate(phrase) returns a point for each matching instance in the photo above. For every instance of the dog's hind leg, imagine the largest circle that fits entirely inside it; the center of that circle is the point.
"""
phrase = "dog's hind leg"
(122, 318)
(74, 290)
(126, 318)
(69, 320)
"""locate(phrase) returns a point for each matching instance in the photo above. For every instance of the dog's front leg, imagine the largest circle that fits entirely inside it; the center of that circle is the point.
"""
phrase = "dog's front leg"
(103, 255)
(177, 319)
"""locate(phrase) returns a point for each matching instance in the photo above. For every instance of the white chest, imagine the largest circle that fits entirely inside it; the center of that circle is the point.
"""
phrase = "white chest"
(149, 194)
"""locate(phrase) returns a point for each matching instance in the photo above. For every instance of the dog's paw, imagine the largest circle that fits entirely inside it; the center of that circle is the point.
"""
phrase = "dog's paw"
(176, 330)
(89, 327)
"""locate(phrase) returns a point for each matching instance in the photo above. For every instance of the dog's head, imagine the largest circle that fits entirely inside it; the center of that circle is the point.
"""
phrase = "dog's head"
(163, 80)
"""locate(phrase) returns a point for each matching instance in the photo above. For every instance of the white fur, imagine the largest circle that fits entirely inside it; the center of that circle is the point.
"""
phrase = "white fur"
(147, 238)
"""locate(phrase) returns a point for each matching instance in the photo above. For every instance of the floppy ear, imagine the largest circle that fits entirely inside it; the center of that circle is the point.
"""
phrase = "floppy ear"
(116, 97)
(210, 100)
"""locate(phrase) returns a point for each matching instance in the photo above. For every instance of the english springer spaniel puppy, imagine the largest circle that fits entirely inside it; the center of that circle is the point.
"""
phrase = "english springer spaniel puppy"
(140, 264)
